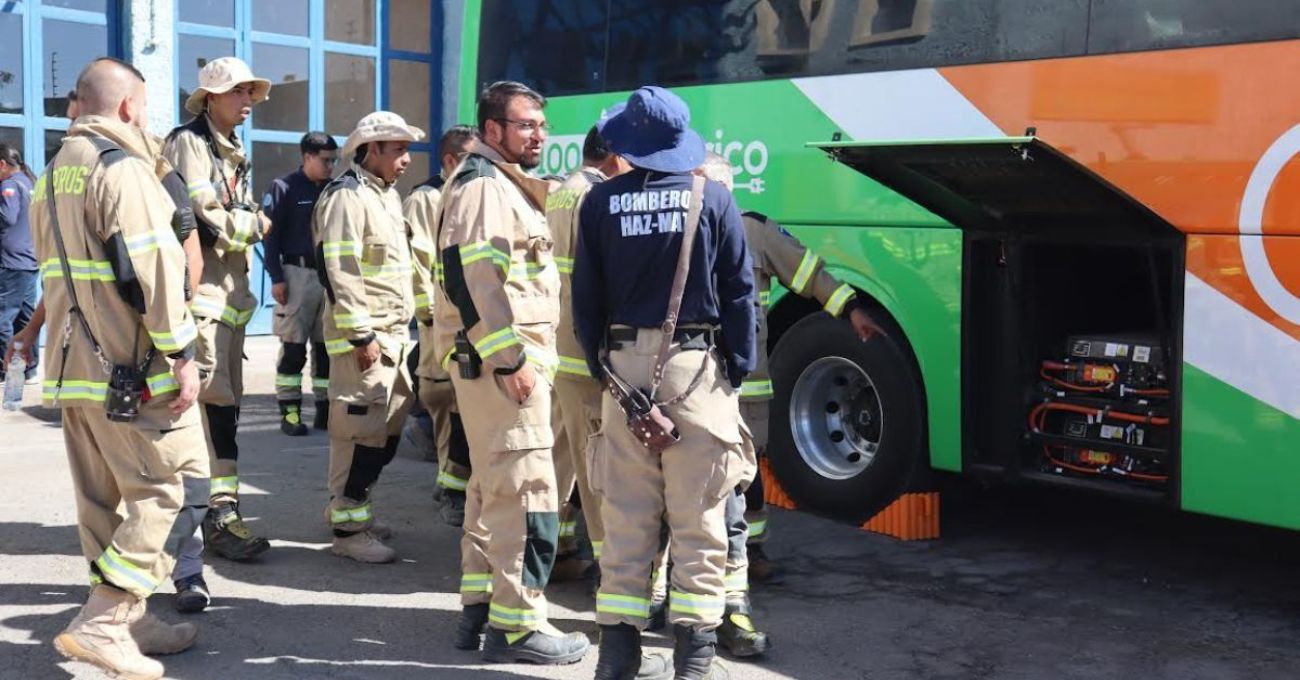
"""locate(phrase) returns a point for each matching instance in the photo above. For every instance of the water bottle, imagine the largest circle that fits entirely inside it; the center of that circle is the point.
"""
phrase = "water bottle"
(15, 376)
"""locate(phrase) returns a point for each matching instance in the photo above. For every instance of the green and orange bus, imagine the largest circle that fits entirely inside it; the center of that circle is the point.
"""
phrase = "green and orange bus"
(1079, 220)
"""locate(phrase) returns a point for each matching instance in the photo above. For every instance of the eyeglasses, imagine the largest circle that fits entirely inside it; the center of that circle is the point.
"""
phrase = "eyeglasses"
(328, 160)
(527, 127)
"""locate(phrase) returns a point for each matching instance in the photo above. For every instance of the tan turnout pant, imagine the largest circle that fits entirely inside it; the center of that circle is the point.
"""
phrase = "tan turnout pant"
(299, 321)
(159, 478)
(219, 357)
(367, 410)
(685, 484)
(578, 402)
(511, 506)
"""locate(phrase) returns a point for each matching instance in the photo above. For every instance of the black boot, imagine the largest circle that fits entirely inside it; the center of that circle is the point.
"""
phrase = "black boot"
(737, 633)
(470, 625)
(291, 419)
(225, 534)
(322, 418)
(534, 647)
(621, 657)
(452, 507)
(695, 655)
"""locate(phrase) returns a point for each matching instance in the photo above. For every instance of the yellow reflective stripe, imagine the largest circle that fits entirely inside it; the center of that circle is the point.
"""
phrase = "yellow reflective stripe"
(568, 529)
(495, 342)
(756, 388)
(736, 582)
(200, 186)
(162, 384)
(337, 249)
(340, 346)
(175, 342)
(623, 604)
(361, 513)
(703, 605)
(423, 245)
(121, 572)
(446, 360)
(438, 273)
(757, 528)
(476, 583)
(357, 320)
(542, 360)
(209, 309)
(528, 271)
(765, 298)
(75, 389)
(285, 380)
(564, 263)
(245, 225)
(447, 480)
(321, 383)
(483, 250)
(422, 301)
(804, 274)
(574, 366)
(509, 616)
(143, 243)
(835, 304)
(228, 485)
(81, 270)
(597, 547)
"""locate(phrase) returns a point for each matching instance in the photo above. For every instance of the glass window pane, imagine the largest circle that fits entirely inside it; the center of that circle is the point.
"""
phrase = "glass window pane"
(286, 68)
(408, 91)
(68, 48)
(271, 160)
(193, 52)
(556, 47)
(416, 172)
(210, 12)
(408, 25)
(53, 140)
(349, 91)
(14, 138)
(350, 21)
(88, 5)
(11, 63)
(1129, 25)
(281, 16)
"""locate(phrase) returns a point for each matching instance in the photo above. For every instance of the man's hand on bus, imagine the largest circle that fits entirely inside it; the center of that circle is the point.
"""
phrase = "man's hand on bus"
(864, 325)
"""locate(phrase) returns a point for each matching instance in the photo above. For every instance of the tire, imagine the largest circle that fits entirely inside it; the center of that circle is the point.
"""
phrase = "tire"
(848, 469)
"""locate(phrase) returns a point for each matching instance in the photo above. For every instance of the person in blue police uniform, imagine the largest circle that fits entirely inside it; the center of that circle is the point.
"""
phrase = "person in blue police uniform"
(299, 296)
(630, 236)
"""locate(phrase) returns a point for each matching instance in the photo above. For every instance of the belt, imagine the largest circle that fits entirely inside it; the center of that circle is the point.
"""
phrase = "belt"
(299, 260)
(688, 338)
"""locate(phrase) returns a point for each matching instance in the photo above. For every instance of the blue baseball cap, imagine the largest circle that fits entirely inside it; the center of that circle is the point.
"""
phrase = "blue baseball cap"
(653, 132)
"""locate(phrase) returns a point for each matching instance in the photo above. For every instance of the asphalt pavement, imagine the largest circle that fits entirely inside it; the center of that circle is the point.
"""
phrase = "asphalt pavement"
(1024, 584)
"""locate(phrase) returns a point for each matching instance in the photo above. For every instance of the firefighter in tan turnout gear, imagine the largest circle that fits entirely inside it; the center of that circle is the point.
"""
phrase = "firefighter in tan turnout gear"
(363, 247)
(121, 352)
(423, 209)
(209, 155)
(776, 255)
(628, 295)
(577, 393)
(496, 309)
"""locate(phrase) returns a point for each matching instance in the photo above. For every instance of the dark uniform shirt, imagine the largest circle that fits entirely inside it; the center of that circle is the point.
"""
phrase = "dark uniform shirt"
(16, 249)
(629, 236)
(289, 204)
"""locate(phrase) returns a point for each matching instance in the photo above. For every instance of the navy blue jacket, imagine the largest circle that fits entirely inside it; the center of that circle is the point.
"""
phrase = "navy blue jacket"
(629, 236)
(16, 249)
(289, 204)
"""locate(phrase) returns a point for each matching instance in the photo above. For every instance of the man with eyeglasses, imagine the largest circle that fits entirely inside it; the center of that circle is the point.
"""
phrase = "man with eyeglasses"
(299, 296)
(496, 307)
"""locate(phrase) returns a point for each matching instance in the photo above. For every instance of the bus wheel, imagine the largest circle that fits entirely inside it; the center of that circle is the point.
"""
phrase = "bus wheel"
(846, 418)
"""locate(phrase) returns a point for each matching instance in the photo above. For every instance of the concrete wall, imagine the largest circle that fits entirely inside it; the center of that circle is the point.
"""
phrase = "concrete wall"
(150, 37)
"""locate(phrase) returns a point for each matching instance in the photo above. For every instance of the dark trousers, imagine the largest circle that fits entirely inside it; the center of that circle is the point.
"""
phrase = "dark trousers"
(17, 304)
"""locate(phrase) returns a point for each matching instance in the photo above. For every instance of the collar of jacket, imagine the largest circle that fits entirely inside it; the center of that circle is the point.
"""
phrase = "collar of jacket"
(230, 144)
(535, 189)
(132, 139)
(370, 179)
(594, 172)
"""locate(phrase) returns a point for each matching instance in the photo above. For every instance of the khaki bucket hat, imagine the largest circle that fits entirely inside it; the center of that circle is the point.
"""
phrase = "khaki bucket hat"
(380, 126)
(223, 75)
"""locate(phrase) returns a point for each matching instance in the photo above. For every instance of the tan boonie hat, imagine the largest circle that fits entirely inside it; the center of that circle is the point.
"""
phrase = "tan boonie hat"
(380, 126)
(223, 75)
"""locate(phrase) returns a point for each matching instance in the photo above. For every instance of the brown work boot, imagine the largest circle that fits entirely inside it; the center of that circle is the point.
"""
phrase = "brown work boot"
(101, 635)
(570, 568)
(762, 569)
(156, 637)
(363, 547)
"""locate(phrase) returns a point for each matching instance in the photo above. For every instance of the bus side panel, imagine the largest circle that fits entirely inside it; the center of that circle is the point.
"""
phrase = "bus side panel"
(469, 44)
(1241, 406)
(915, 274)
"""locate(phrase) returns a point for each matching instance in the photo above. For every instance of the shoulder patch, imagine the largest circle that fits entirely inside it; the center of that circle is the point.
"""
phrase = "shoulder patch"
(347, 180)
(474, 167)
